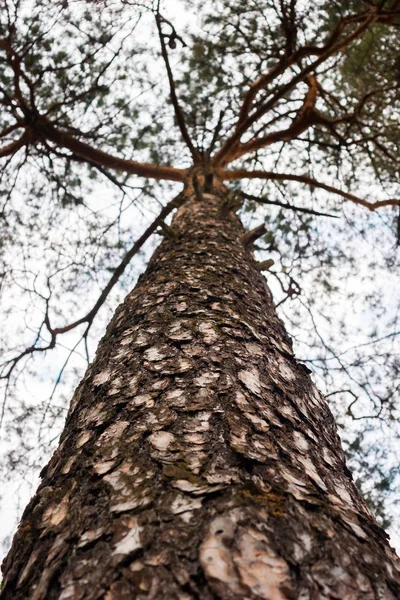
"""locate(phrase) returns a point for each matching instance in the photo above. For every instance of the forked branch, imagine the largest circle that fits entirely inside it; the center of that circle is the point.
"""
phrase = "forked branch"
(303, 120)
(294, 58)
(335, 44)
(38, 128)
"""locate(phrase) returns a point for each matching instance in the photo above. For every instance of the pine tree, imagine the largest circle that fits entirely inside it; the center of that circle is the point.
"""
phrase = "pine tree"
(198, 459)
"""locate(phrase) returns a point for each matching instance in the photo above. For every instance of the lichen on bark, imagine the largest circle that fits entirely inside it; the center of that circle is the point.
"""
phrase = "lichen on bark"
(198, 459)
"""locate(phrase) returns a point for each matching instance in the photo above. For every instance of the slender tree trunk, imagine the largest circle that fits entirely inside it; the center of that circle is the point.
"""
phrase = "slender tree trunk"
(198, 459)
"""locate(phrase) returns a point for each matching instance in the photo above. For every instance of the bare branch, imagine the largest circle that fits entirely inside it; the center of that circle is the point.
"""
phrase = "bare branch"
(243, 174)
(166, 210)
(258, 85)
(13, 147)
(89, 317)
(266, 78)
(174, 99)
(308, 211)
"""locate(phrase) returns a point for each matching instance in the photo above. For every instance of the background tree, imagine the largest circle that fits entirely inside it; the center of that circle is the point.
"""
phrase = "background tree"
(266, 93)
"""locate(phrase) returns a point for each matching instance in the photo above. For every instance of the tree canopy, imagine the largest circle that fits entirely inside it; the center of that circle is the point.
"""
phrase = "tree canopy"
(106, 106)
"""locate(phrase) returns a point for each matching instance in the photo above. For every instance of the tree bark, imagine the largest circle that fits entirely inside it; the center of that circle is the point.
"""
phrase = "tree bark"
(198, 459)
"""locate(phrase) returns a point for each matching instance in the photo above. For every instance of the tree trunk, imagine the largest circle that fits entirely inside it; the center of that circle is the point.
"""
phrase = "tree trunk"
(198, 459)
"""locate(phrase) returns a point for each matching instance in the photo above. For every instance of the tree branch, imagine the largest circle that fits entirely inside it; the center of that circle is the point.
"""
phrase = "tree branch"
(180, 119)
(267, 78)
(41, 126)
(309, 211)
(166, 210)
(253, 235)
(88, 318)
(303, 120)
(243, 174)
(13, 147)
(332, 46)
(104, 159)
